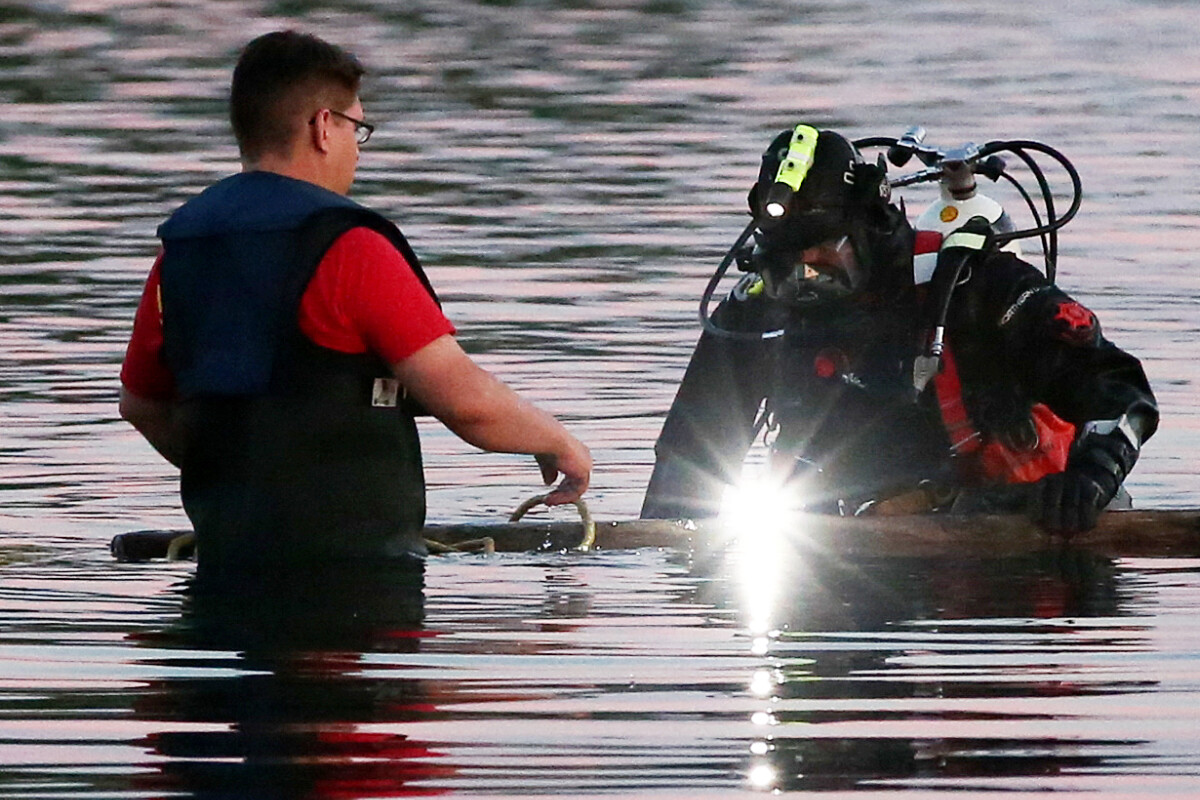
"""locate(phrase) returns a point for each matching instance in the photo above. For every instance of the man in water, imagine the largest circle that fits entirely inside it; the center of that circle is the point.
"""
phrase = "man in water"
(824, 344)
(287, 335)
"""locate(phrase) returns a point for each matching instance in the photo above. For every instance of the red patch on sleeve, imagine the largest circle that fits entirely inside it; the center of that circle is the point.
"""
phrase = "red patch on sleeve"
(1075, 323)
(364, 296)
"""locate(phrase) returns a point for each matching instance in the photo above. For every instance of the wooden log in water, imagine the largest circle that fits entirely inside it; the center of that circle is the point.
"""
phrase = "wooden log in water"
(1118, 534)
(1162, 533)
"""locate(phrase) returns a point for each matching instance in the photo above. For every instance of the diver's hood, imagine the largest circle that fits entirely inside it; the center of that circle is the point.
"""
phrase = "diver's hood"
(842, 206)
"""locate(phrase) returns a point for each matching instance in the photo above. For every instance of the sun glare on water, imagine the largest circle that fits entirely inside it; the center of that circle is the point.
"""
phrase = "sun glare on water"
(757, 518)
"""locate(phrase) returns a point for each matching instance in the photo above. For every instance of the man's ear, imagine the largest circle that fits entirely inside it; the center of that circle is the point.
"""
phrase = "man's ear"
(318, 130)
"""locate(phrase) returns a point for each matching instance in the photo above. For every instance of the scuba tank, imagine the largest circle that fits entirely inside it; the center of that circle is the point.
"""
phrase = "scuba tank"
(962, 211)
(958, 197)
(959, 201)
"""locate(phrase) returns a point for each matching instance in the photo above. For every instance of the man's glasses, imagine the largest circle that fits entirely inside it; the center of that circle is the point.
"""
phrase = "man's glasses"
(362, 130)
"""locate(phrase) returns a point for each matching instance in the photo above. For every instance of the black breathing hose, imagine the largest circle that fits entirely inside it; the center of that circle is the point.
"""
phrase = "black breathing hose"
(1046, 231)
(705, 320)
(1049, 230)
(1018, 147)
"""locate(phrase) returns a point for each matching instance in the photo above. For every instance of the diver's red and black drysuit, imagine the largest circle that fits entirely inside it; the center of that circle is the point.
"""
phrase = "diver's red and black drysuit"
(1028, 391)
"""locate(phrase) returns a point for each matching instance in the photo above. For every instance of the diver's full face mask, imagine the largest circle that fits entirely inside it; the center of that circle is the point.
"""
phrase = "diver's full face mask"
(825, 271)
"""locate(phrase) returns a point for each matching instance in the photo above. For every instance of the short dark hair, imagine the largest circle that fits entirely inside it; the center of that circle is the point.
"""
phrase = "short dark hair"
(279, 78)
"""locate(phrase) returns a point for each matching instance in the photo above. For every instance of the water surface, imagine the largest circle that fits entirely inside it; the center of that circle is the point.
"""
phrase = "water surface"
(571, 172)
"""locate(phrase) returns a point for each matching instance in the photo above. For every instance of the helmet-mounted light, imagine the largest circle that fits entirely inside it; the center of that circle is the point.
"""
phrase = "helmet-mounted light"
(793, 168)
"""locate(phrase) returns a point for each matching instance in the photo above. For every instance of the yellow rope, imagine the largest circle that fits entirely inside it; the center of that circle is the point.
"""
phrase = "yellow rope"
(589, 525)
(176, 546)
(485, 544)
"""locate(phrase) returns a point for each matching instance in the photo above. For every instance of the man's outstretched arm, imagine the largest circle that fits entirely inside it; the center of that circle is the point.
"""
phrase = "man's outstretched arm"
(483, 411)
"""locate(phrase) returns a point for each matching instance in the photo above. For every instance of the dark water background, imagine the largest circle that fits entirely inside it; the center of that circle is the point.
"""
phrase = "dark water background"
(570, 173)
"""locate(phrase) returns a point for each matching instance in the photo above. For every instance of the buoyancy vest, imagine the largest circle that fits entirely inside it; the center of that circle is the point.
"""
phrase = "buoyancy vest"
(1035, 444)
(292, 450)
(1040, 450)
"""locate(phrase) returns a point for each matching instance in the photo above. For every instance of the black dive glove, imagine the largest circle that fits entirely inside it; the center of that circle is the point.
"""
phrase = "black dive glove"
(1070, 501)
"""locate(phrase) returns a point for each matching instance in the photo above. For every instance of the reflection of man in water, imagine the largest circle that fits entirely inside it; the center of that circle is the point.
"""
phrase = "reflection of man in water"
(285, 704)
(286, 331)
(826, 335)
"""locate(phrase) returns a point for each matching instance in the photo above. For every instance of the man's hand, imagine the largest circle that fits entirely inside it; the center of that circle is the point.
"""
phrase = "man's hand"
(576, 467)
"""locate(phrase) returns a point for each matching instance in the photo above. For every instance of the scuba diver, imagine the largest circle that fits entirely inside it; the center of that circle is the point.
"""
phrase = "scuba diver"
(895, 370)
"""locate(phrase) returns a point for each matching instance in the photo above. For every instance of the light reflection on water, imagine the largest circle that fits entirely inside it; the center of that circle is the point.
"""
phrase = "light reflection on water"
(570, 174)
(628, 672)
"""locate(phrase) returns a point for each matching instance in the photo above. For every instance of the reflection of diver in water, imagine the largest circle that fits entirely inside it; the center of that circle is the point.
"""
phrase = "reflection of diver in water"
(284, 717)
(941, 624)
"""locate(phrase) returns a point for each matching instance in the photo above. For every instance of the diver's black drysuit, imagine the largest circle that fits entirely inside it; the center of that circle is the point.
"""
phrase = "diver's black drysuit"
(854, 427)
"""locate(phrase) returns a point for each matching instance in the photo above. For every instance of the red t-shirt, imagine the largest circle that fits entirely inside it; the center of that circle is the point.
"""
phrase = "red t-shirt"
(363, 297)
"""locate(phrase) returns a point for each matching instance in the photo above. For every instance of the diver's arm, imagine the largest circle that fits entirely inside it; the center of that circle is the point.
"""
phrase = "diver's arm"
(155, 420)
(483, 411)
(1064, 361)
(1058, 352)
(1104, 391)
(710, 425)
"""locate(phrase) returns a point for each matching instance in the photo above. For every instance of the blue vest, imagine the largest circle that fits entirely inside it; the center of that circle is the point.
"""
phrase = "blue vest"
(286, 457)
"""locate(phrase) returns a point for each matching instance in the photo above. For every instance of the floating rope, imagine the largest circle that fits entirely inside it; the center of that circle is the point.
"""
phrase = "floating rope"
(183, 546)
(184, 542)
(484, 544)
(589, 525)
